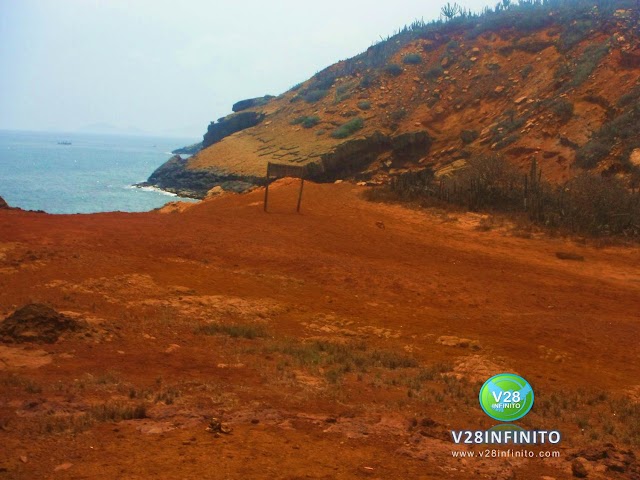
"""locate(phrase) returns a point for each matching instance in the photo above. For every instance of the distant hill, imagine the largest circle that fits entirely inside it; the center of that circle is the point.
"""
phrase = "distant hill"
(558, 80)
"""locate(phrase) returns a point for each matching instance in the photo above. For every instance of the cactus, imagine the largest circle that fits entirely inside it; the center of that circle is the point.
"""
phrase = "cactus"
(450, 11)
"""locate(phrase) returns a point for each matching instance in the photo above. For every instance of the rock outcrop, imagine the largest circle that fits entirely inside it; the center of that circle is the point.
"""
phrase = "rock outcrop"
(347, 160)
(251, 103)
(3, 204)
(174, 176)
(188, 150)
(229, 125)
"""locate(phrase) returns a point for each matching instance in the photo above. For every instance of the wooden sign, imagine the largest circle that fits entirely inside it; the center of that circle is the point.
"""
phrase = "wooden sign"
(279, 170)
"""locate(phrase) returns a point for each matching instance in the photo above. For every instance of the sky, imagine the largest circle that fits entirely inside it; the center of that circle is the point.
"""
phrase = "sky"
(171, 67)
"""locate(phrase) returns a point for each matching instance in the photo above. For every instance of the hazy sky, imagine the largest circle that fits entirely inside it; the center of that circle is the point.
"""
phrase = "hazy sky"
(170, 67)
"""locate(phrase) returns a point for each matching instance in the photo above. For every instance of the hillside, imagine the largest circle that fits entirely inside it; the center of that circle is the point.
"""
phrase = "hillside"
(557, 80)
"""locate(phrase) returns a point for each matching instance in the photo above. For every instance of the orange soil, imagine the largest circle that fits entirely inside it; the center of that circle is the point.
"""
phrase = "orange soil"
(343, 269)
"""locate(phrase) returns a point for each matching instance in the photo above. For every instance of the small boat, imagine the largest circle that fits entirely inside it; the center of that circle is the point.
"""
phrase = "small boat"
(65, 142)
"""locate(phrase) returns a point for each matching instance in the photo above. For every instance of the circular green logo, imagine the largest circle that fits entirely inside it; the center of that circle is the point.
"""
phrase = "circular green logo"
(506, 397)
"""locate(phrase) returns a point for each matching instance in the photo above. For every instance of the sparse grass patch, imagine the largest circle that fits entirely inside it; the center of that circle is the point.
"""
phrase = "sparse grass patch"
(233, 330)
(19, 381)
(336, 359)
(364, 105)
(76, 423)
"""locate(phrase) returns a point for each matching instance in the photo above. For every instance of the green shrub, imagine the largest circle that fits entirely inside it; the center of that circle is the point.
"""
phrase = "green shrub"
(563, 109)
(364, 105)
(323, 82)
(398, 115)
(453, 45)
(588, 62)
(468, 136)
(466, 64)
(434, 72)
(591, 153)
(526, 71)
(574, 34)
(313, 96)
(412, 59)
(348, 128)
(298, 120)
(588, 204)
(629, 98)
(311, 121)
(343, 92)
(393, 69)
(367, 80)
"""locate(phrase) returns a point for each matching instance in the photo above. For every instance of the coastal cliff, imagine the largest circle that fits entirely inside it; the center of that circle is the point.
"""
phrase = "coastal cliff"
(557, 82)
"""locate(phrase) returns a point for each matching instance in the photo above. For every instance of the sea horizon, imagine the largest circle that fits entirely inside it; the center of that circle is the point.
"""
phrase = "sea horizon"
(93, 173)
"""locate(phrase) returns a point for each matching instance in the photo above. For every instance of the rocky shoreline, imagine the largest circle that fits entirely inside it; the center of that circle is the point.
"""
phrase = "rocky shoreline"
(174, 176)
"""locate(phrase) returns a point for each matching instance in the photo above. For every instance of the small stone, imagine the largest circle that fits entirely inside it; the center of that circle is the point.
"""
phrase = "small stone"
(64, 466)
(520, 100)
(172, 348)
(338, 181)
(23, 458)
(499, 89)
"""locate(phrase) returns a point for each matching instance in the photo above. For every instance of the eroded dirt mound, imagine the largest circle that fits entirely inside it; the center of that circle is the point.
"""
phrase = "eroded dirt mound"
(37, 323)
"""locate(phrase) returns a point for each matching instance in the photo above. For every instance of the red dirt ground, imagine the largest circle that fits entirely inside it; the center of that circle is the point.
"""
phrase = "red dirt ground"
(344, 270)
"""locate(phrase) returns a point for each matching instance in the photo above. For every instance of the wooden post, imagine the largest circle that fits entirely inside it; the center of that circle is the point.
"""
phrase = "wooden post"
(266, 190)
(300, 195)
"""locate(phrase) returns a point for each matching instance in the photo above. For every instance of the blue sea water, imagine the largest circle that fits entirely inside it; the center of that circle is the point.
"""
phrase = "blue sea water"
(93, 174)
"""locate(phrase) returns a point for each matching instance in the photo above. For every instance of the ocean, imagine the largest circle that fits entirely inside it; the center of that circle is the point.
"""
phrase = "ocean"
(95, 173)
